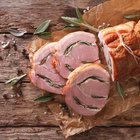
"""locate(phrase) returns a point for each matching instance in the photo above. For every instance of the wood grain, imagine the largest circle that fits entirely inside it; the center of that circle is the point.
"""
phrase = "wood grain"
(28, 14)
(13, 60)
(21, 117)
(23, 111)
(53, 133)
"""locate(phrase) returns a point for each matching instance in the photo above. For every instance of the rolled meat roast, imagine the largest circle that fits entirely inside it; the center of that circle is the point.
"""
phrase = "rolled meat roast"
(121, 46)
(43, 74)
(75, 49)
(87, 89)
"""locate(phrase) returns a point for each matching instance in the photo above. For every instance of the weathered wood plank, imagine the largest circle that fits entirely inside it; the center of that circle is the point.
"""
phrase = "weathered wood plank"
(27, 14)
(23, 111)
(51, 133)
(11, 59)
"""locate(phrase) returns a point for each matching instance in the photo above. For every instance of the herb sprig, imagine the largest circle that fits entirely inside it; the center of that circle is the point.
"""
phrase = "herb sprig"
(79, 21)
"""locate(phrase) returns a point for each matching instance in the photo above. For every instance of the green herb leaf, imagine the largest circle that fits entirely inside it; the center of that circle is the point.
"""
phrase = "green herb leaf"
(45, 35)
(95, 96)
(85, 43)
(69, 67)
(49, 81)
(44, 99)
(92, 77)
(16, 32)
(69, 48)
(120, 89)
(78, 22)
(42, 27)
(71, 26)
(15, 80)
(74, 21)
(79, 15)
(132, 16)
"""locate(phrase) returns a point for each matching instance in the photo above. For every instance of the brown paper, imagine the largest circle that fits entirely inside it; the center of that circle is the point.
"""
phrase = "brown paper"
(71, 123)
(112, 12)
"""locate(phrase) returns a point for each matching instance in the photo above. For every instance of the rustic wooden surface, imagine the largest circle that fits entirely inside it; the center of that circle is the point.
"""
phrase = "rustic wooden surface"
(53, 133)
(21, 117)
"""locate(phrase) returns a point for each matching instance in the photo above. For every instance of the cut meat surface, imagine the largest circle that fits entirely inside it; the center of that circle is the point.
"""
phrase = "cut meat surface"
(43, 74)
(75, 49)
(87, 89)
(121, 46)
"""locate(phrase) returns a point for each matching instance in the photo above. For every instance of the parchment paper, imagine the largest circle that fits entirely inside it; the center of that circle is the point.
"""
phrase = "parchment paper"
(111, 12)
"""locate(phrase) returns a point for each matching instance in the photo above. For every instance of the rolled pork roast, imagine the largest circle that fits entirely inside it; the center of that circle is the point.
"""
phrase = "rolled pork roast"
(75, 49)
(121, 46)
(43, 74)
(87, 89)
(70, 67)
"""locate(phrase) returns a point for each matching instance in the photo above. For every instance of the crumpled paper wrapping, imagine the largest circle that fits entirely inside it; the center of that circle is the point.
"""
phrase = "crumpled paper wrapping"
(71, 123)
(112, 12)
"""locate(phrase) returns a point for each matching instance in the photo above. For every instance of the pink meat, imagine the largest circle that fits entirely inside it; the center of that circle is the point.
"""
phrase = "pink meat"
(43, 74)
(75, 49)
(122, 62)
(87, 89)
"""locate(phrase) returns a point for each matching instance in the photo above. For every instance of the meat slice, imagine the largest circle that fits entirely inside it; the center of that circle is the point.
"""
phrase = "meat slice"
(87, 89)
(75, 49)
(121, 46)
(43, 74)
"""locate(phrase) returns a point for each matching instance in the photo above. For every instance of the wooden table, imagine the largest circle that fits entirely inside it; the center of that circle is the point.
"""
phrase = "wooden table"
(20, 117)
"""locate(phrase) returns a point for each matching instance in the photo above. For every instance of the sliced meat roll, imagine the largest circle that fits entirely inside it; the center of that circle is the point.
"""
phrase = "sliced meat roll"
(43, 73)
(87, 89)
(121, 46)
(75, 49)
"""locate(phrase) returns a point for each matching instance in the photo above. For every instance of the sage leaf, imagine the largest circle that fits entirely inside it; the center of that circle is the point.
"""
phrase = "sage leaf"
(69, 48)
(85, 43)
(16, 32)
(132, 16)
(79, 15)
(44, 35)
(78, 22)
(93, 78)
(120, 89)
(72, 20)
(45, 99)
(15, 80)
(69, 67)
(49, 81)
(98, 97)
(42, 27)
(71, 26)
(78, 102)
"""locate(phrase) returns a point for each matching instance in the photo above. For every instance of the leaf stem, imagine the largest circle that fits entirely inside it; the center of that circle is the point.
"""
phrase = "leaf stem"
(92, 28)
